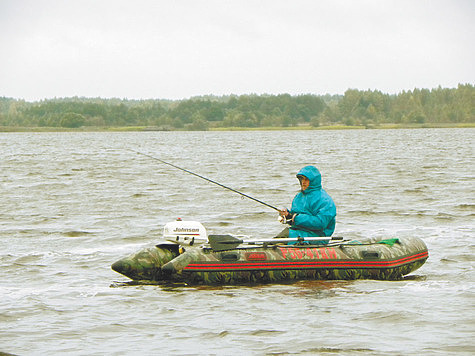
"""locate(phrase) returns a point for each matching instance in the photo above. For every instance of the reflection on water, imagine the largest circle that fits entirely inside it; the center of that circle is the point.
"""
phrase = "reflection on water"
(73, 203)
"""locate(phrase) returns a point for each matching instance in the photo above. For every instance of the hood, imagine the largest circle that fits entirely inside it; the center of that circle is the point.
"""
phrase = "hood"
(313, 175)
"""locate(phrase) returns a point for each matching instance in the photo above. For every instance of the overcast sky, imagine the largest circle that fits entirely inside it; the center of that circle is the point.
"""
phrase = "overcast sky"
(178, 49)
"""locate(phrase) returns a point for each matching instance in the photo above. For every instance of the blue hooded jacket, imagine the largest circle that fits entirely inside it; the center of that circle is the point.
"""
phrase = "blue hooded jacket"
(315, 209)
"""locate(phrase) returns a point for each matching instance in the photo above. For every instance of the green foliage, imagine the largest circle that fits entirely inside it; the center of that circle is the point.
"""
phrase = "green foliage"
(72, 120)
(355, 108)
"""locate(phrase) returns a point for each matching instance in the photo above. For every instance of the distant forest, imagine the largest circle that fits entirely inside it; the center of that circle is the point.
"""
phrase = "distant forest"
(354, 108)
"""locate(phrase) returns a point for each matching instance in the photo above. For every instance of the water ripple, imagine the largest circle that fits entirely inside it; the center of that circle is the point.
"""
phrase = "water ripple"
(73, 203)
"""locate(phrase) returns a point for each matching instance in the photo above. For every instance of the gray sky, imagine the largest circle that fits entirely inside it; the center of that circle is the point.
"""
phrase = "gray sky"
(177, 49)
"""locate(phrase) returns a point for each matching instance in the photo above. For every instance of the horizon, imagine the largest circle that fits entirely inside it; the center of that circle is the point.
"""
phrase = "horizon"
(230, 95)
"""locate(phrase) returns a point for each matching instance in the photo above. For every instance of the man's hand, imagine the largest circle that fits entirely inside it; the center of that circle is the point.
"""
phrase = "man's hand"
(285, 217)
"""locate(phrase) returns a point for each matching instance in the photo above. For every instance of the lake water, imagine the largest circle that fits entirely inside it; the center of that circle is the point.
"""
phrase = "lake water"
(73, 203)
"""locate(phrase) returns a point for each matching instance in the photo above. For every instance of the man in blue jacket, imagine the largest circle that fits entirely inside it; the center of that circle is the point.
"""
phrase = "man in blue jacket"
(313, 210)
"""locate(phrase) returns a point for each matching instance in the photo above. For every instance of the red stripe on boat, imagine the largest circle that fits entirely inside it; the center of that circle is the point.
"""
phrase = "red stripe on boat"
(217, 266)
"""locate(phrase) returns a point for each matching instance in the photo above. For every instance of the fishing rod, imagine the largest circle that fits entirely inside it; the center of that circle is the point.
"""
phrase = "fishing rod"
(207, 179)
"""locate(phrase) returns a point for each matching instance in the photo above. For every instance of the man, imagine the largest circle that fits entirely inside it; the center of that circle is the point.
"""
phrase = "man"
(313, 210)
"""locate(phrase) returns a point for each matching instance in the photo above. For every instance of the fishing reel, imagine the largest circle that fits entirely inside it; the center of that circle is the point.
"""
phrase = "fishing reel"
(287, 219)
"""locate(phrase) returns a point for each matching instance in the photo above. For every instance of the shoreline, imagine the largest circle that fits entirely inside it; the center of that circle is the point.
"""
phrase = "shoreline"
(270, 128)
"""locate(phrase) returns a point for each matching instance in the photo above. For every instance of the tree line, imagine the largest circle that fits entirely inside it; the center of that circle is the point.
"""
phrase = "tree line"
(354, 108)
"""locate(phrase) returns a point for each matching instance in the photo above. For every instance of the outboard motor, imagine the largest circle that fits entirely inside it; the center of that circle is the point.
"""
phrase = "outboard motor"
(187, 233)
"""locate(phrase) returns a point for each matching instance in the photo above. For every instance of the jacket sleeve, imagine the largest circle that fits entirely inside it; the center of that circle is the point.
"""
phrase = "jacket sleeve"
(320, 217)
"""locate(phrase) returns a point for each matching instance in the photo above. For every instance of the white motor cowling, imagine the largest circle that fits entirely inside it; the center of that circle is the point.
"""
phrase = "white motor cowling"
(187, 233)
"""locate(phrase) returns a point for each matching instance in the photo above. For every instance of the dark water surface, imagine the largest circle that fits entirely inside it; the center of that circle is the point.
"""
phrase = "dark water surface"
(73, 203)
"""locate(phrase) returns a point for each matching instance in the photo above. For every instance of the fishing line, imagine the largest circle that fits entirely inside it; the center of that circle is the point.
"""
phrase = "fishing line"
(207, 179)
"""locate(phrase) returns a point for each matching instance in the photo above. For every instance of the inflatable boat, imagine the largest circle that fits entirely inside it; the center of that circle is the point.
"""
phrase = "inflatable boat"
(187, 254)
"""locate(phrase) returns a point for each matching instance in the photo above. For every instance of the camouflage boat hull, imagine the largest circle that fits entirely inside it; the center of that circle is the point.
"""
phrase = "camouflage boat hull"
(369, 259)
